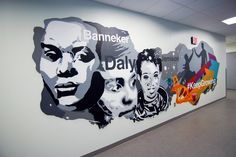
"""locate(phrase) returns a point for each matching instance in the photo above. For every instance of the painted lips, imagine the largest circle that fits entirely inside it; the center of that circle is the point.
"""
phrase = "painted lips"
(66, 89)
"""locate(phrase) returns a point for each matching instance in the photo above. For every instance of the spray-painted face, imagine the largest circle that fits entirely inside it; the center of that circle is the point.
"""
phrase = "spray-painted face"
(67, 62)
(120, 92)
(150, 79)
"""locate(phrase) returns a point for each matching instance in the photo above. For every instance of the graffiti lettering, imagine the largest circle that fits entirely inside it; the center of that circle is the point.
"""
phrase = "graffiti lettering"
(202, 83)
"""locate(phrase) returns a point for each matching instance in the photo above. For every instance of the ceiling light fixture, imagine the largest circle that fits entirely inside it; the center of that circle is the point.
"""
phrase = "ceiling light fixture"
(230, 21)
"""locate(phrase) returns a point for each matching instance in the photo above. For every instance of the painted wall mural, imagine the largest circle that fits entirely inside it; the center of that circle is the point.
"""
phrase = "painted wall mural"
(195, 76)
(93, 72)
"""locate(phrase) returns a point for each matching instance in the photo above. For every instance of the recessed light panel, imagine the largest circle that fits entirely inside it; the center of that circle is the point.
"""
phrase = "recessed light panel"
(230, 21)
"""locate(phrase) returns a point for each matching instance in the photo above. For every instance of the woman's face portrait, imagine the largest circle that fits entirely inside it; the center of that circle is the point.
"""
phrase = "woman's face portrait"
(150, 79)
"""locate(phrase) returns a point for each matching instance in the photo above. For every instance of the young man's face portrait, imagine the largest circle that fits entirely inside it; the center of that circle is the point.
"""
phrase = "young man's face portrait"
(67, 62)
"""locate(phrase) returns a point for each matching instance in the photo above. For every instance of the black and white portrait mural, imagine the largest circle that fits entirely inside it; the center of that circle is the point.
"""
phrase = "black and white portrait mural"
(93, 72)
(152, 98)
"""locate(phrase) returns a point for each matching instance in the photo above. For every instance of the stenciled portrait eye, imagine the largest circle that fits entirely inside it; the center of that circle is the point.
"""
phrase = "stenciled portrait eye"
(67, 62)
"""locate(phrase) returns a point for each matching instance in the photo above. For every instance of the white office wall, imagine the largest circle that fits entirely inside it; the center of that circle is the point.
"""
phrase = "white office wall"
(231, 47)
(25, 130)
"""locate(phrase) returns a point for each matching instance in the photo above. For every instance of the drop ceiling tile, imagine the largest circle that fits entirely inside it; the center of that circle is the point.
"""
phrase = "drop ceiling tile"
(220, 12)
(203, 4)
(195, 18)
(110, 2)
(179, 14)
(184, 2)
(162, 8)
(204, 22)
(203, 14)
(137, 5)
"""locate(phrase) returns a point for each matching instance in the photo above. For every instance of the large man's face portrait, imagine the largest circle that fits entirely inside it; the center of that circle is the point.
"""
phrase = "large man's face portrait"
(150, 79)
(120, 92)
(67, 62)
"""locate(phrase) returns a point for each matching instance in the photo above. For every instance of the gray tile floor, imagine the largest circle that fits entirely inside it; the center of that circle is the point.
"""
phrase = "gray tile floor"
(207, 132)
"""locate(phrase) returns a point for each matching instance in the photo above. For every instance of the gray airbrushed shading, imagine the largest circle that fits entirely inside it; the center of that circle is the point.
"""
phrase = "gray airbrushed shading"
(174, 61)
(79, 22)
(122, 99)
(195, 62)
(49, 103)
(169, 68)
(111, 86)
(170, 64)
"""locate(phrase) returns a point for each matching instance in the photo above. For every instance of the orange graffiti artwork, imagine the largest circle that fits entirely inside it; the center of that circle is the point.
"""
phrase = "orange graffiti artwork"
(184, 94)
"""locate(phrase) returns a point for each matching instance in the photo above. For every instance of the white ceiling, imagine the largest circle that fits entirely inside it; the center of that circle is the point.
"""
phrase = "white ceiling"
(203, 14)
